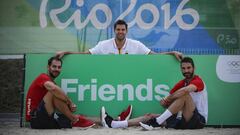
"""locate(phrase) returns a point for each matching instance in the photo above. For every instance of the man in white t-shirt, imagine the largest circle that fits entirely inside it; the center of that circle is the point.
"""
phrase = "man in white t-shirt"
(120, 44)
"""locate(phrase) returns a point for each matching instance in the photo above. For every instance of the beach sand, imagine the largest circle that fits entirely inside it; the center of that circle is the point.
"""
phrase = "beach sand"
(12, 128)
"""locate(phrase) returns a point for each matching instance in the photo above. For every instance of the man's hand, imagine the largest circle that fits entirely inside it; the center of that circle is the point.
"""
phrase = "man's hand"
(165, 102)
(178, 55)
(72, 107)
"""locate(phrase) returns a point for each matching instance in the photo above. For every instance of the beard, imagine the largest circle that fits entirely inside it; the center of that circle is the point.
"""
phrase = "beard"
(120, 37)
(188, 75)
(54, 74)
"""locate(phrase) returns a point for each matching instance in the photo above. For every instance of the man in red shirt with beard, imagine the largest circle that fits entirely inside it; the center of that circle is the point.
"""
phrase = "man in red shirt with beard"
(186, 106)
(44, 97)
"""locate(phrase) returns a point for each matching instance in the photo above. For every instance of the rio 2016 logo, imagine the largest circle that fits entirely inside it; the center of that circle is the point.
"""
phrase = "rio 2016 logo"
(76, 17)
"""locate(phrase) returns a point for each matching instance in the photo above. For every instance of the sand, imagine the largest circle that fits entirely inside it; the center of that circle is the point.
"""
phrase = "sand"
(12, 128)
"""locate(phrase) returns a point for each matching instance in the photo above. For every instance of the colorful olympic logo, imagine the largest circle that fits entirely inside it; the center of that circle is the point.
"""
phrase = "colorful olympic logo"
(234, 64)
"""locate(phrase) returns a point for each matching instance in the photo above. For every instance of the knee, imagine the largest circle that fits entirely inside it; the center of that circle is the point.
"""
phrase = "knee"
(48, 97)
(186, 96)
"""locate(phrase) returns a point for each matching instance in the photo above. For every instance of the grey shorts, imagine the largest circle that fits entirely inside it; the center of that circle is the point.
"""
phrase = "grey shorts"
(41, 120)
(196, 122)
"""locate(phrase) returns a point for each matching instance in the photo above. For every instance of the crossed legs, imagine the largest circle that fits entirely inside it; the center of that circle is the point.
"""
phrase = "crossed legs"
(52, 104)
(184, 104)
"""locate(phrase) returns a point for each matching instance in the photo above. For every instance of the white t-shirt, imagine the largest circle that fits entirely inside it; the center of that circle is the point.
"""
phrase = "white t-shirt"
(110, 47)
(201, 101)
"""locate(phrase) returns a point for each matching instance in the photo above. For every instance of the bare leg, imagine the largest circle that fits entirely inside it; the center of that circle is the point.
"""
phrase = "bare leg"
(145, 118)
(52, 103)
(184, 103)
(177, 105)
(188, 108)
(48, 99)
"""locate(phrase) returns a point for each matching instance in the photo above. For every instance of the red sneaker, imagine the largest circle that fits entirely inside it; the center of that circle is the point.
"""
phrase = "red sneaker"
(126, 114)
(83, 123)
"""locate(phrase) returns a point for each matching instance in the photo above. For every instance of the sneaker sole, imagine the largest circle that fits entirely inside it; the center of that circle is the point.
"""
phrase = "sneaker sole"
(83, 128)
(103, 115)
(146, 127)
(129, 115)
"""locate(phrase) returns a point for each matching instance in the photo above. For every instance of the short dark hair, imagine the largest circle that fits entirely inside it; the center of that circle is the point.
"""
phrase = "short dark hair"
(120, 22)
(53, 58)
(187, 60)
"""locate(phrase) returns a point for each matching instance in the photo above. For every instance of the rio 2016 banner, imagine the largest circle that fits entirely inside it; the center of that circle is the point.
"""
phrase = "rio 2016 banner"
(117, 81)
(190, 26)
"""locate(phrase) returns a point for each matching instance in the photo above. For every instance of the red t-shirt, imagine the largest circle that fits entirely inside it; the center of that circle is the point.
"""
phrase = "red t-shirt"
(197, 81)
(35, 94)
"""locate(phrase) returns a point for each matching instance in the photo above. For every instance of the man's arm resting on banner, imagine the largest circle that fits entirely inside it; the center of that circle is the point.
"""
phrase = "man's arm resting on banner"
(60, 54)
(177, 54)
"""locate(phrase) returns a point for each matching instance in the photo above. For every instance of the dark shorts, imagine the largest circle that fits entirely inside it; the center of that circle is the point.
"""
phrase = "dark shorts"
(41, 120)
(196, 122)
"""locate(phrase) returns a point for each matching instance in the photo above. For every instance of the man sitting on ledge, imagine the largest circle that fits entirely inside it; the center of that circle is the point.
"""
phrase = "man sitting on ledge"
(187, 105)
(48, 107)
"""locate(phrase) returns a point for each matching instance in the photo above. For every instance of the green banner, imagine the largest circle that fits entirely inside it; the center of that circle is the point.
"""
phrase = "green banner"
(115, 82)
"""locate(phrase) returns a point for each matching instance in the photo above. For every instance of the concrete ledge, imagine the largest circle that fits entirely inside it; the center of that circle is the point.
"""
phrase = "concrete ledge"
(9, 117)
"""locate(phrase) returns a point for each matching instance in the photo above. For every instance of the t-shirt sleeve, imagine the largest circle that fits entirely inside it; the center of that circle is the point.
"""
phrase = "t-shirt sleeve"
(198, 83)
(142, 49)
(42, 79)
(96, 49)
(178, 86)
